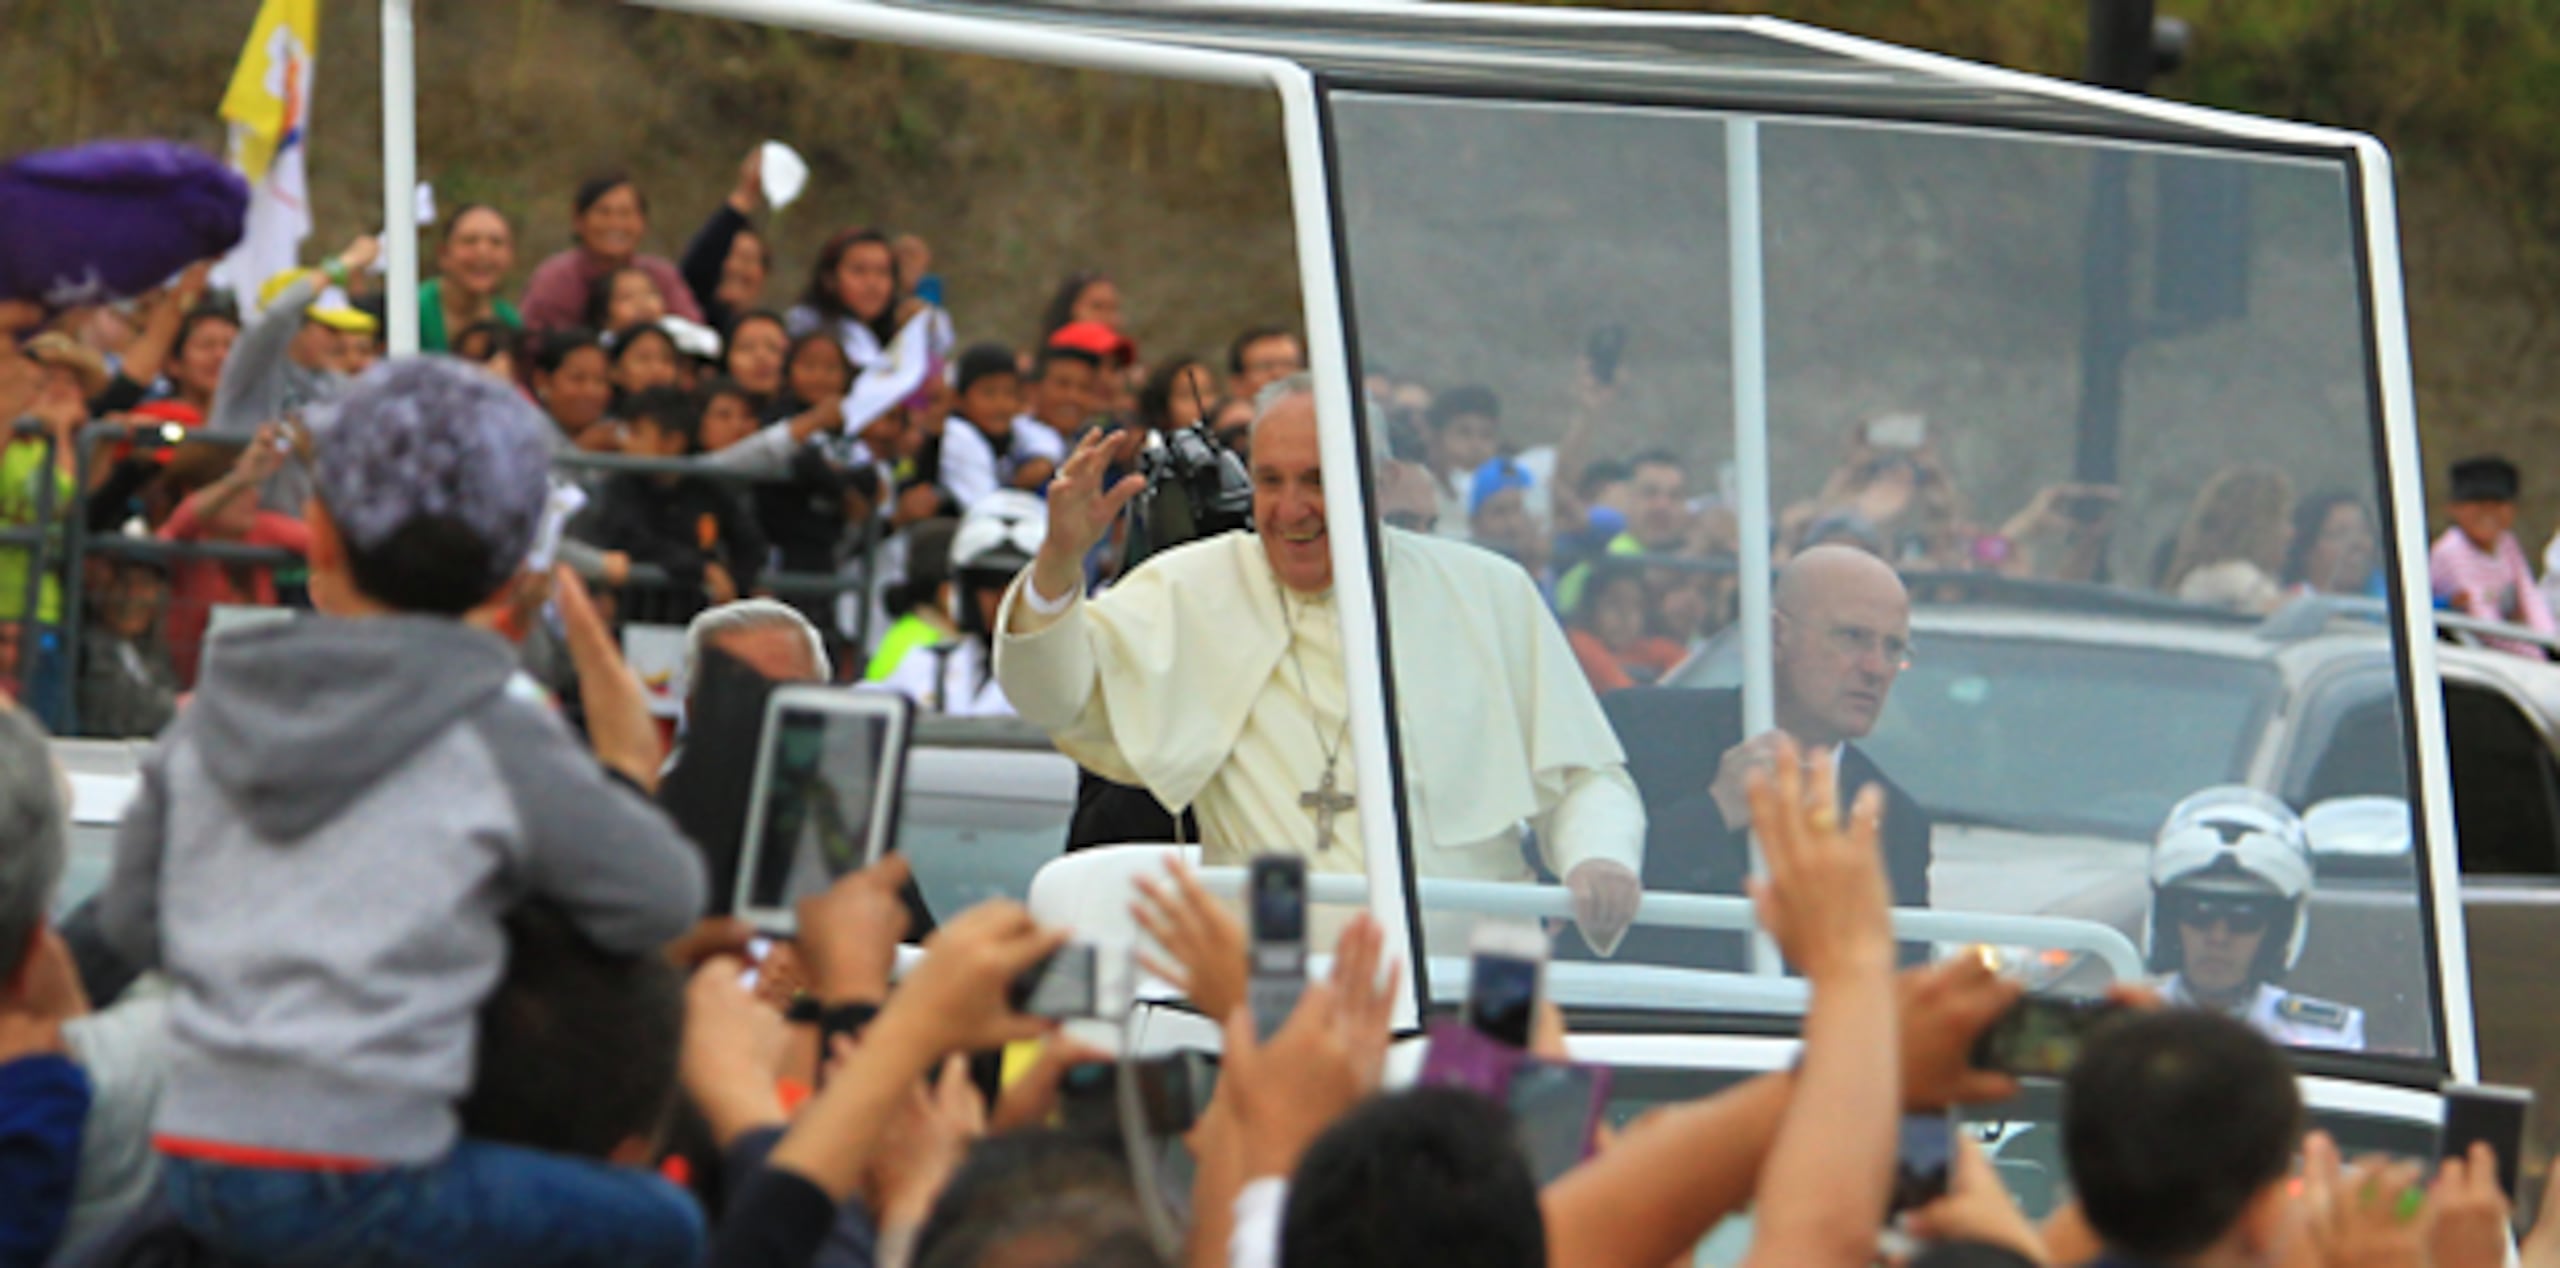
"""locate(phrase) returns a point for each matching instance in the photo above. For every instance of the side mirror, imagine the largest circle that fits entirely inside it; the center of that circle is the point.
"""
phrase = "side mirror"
(2361, 835)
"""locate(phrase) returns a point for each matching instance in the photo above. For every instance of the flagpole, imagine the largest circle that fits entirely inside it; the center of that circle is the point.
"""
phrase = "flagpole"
(400, 174)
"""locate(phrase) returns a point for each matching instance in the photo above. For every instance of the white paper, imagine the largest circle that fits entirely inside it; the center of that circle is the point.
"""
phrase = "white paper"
(566, 500)
(100, 798)
(785, 174)
(426, 203)
(656, 654)
(894, 377)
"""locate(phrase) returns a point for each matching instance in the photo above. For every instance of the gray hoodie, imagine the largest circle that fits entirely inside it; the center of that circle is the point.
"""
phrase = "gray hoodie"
(320, 853)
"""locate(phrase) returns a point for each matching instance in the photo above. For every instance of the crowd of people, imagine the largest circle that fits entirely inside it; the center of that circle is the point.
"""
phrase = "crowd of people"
(511, 1032)
(702, 363)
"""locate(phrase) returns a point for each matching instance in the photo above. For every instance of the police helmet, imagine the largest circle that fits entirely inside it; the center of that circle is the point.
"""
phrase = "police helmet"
(2235, 848)
(995, 539)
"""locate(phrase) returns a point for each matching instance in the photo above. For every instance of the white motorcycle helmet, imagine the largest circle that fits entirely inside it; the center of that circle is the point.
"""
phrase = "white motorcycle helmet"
(995, 539)
(2232, 843)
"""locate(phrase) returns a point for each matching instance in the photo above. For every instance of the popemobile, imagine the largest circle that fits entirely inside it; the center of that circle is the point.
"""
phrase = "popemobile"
(2039, 338)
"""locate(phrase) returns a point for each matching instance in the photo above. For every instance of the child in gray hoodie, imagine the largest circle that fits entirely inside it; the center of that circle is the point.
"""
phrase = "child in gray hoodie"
(322, 849)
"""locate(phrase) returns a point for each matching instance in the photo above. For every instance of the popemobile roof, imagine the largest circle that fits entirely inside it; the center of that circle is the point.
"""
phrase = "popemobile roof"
(1753, 64)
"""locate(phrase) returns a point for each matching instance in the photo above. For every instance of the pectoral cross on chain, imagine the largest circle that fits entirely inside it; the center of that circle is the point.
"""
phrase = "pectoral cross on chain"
(1324, 803)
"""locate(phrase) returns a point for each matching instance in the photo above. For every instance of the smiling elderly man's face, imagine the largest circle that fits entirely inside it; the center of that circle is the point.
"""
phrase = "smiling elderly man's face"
(1288, 496)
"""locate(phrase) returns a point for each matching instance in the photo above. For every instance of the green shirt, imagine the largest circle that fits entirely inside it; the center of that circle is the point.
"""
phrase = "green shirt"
(20, 464)
(908, 633)
(432, 336)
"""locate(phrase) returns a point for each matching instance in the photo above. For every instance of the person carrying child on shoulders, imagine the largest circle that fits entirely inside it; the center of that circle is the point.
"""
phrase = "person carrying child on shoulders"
(323, 848)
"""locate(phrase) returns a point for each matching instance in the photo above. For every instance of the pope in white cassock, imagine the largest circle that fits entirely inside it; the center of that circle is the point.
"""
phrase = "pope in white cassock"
(1213, 677)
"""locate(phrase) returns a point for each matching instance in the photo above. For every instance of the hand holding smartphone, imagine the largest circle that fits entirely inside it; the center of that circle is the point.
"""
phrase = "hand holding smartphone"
(1922, 1162)
(1903, 432)
(2491, 1115)
(2041, 1036)
(1506, 977)
(1061, 987)
(1608, 345)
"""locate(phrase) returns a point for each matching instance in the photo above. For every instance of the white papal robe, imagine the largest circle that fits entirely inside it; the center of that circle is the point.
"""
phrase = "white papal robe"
(1179, 680)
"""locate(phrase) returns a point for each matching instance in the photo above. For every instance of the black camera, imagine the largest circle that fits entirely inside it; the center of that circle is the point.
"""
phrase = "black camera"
(1196, 488)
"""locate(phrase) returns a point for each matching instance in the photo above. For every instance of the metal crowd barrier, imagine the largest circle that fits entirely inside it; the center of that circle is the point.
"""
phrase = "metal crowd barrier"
(58, 542)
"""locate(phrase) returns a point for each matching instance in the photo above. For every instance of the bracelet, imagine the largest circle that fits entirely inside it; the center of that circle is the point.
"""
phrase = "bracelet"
(335, 270)
(1045, 606)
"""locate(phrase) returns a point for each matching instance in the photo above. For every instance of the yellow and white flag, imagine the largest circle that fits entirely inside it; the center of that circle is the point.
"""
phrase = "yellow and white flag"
(267, 108)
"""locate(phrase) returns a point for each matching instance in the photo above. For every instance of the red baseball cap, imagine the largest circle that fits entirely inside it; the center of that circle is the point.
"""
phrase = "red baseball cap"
(1098, 339)
(170, 411)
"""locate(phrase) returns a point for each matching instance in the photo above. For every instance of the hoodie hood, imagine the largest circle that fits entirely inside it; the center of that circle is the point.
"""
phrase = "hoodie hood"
(296, 721)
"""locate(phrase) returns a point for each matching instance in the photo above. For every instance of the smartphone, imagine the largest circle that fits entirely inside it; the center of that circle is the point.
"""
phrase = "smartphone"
(1505, 973)
(2475, 1112)
(1922, 1162)
(1556, 1108)
(1061, 987)
(2041, 1035)
(1277, 908)
(1608, 345)
(1898, 431)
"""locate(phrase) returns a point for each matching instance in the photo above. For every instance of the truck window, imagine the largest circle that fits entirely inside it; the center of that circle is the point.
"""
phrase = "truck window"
(2506, 790)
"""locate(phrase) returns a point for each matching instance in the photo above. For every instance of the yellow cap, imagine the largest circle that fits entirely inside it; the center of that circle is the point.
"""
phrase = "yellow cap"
(330, 308)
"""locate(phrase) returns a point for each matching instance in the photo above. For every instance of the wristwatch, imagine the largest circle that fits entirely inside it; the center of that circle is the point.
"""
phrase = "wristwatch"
(831, 1020)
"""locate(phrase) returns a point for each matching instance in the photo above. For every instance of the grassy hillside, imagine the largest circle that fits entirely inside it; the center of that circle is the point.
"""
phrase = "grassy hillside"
(1020, 175)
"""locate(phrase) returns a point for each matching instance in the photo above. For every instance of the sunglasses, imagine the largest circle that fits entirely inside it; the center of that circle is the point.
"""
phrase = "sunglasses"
(2241, 915)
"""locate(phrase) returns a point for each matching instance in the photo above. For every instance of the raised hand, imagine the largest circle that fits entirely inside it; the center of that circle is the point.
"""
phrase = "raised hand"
(2468, 1213)
(1285, 1093)
(1204, 939)
(849, 933)
(2365, 1216)
(1824, 900)
(191, 286)
(1734, 771)
(619, 727)
(262, 457)
(732, 1050)
(360, 254)
(1977, 1208)
(748, 194)
(921, 1150)
(1944, 1007)
(1082, 508)
(2541, 1248)
(1363, 1002)
(957, 997)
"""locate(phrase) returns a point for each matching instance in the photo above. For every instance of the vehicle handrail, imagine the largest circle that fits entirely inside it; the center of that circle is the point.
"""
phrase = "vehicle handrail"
(2476, 628)
(1661, 909)
(2312, 614)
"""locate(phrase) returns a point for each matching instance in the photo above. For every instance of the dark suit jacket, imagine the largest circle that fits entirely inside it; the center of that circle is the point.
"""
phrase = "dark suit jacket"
(1675, 738)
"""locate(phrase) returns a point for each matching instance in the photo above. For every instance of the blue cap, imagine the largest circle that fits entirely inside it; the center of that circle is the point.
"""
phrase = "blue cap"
(1493, 477)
